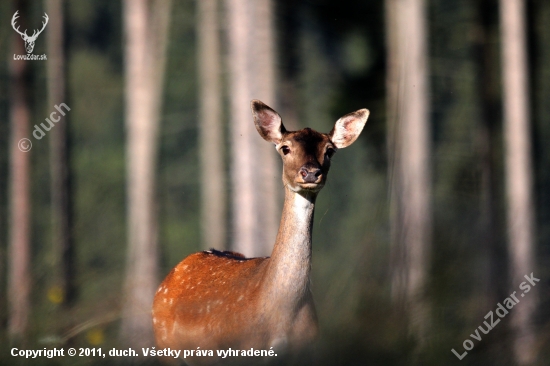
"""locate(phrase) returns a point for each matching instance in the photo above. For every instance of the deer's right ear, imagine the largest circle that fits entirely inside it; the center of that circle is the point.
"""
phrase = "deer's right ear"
(268, 122)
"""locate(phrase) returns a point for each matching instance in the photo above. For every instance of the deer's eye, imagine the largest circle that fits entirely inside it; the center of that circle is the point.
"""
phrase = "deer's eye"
(330, 152)
(285, 149)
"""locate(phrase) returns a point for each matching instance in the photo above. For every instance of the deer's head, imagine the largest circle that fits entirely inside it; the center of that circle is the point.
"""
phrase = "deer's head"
(306, 153)
(29, 40)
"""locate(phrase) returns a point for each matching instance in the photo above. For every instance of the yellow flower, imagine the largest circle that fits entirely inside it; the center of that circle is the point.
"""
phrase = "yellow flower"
(56, 295)
(95, 336)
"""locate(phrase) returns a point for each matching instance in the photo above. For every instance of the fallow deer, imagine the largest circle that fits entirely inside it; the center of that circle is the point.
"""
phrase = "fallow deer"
(216, 300)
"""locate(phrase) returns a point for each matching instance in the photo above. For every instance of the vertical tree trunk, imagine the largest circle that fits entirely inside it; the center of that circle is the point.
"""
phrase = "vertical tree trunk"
(409, 148)
(63, 265)
(268, 165)
(488, 88)
(254, 168)
(289, 27)
(519, 175)
(146, 26)
(19, 276)
(211, 127)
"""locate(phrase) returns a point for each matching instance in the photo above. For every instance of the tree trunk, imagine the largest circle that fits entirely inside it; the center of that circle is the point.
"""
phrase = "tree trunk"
(63, 246)
(19, 276)
(486, 52)
(409, 150)
(146, 25)
(254, 169)
(211, 127)
(518, 171)
(288, 12)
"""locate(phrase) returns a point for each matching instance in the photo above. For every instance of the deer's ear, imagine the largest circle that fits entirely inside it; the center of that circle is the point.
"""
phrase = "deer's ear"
(347, 129)
(268, 122)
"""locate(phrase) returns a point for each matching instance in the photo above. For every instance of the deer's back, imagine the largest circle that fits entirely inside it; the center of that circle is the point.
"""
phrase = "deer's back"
(206, 297)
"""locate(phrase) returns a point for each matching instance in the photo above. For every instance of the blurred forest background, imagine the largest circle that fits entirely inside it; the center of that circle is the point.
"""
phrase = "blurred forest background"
(428, 221)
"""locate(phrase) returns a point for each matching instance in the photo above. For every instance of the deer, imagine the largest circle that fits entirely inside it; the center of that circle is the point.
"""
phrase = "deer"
(29, 41)
(217, 300)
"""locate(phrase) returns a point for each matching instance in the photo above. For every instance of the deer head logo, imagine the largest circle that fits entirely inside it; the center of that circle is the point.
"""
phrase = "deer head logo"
(29, 41)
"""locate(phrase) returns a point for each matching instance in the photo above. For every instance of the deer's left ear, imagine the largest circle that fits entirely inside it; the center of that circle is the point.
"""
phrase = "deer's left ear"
(268, 122)
(347, 129)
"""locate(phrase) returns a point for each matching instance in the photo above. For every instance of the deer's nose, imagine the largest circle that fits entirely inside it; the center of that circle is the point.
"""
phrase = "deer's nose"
(310, 175)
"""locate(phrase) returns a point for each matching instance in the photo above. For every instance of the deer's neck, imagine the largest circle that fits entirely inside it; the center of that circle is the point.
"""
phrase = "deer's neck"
(287, 277)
